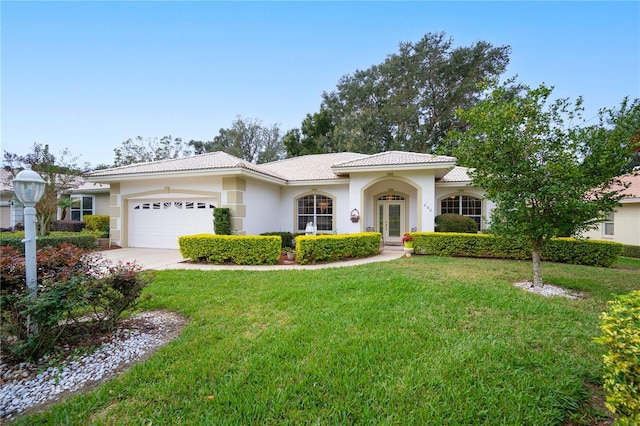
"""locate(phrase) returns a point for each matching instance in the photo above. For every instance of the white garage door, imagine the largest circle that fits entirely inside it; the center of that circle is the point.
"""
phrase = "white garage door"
(159, 223)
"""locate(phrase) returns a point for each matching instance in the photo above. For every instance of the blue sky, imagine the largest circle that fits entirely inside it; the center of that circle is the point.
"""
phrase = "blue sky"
(88, 75)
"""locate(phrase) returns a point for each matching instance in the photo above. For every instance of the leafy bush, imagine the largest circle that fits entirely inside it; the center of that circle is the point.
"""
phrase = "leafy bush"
(97, 223)
(621, 336)
(54, 239)
(450, 222)
(566, 250)
(71, 283)
(238, 249)
(115, 292)
(67, 225)
(287, 238)
(331, 248)
(222, 221)
(631, 251)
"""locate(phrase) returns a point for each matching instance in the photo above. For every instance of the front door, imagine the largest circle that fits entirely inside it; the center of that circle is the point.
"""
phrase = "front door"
(391, 218)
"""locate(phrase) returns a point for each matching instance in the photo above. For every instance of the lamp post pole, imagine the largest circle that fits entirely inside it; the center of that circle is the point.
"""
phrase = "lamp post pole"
(29, 189)
(29, 241)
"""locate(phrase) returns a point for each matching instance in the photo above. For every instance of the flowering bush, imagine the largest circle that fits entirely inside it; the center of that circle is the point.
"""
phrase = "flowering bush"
(407, 238)
(72, 283)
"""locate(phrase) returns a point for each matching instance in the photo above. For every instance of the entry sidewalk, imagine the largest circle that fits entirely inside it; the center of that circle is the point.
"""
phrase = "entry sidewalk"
(159, 259)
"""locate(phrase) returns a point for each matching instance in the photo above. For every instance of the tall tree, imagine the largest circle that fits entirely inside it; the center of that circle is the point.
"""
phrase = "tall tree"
(549, 174)
(247, 138)
(314, 136)
(60, 174)
(409, 101)
(140, 150)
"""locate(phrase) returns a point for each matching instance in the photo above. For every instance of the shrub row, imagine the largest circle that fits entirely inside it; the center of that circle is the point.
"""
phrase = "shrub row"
(565, 250)
(55, 239)
(621, 336)
(238, 249)
(331, 248)
(631, 251)
(72, 282)
(68, 225)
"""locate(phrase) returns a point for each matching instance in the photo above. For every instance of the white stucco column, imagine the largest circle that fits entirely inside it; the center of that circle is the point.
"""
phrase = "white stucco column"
(427, 203)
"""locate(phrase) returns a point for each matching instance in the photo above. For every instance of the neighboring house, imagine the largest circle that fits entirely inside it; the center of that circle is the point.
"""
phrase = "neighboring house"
(623, 226)
(152, 204)
(86, 198)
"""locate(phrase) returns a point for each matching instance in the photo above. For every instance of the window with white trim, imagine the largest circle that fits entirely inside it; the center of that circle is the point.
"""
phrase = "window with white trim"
(81, 205)
(608, 226)
(464, 205)
(315, 208)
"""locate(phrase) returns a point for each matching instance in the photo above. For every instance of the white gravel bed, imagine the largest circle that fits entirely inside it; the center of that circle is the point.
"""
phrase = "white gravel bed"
(547, 290)
(28, 385)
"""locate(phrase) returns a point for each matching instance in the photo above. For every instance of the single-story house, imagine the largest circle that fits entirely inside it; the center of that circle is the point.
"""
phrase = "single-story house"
(86, 198)
(623, 226)
(152, 204)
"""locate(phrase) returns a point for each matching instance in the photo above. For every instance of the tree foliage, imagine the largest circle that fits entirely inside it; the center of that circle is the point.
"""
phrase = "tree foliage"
(314, 137)
(247, 138)
(140, 150)
(60, 174)
(408, 102)
(549, 174)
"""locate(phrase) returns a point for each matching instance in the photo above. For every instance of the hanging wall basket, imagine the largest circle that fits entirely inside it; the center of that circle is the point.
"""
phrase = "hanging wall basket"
(355, 215)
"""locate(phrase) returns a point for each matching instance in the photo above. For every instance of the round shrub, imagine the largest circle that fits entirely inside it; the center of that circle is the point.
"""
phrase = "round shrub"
(450, 222)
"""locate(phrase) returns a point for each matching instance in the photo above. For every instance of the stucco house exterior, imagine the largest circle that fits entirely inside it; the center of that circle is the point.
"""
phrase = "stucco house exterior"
(86, 198)
(623, 226)
(152, 204)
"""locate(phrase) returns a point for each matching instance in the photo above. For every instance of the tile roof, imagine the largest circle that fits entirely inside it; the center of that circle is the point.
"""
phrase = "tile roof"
(310, 167)
(209, 161)
(633, 191)
(457, 174)
(395, 158)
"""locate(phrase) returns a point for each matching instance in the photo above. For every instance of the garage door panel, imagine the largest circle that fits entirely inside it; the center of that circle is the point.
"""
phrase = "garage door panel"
(159, 223)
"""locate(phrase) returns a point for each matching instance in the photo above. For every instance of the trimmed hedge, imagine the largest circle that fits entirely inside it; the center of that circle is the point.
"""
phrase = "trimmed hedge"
(67, 225)
(222, 221)
(54, 239)
(332, 248)
(451, 222)
(238, 249)
(621, 336)
(97, 222)
(631, 251)
(565, 250)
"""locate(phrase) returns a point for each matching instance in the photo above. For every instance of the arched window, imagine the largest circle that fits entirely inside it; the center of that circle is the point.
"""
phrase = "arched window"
(317, 209)
(464, 205)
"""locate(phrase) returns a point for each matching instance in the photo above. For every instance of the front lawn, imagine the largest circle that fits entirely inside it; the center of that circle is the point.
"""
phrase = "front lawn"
(420, 340)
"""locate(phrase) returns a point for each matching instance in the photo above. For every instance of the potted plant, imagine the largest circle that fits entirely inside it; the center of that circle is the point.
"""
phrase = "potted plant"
(407, 240)
(291, 253)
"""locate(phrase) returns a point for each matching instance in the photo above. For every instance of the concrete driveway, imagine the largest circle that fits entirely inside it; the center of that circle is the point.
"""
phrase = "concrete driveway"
(159, 259)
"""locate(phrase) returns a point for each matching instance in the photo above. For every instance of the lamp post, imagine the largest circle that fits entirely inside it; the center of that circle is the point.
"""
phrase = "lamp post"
(29, 188)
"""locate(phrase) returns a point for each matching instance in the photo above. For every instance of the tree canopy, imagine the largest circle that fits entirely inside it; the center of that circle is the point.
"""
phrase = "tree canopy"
(140, 150)
(247, 138)
(407, 102)
(549, 173)
(60, 174)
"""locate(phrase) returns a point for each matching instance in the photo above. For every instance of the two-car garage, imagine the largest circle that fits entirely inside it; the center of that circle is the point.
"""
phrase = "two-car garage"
(158, 223)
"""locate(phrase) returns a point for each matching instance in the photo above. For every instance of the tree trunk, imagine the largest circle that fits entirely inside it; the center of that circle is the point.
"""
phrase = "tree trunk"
(537, 268)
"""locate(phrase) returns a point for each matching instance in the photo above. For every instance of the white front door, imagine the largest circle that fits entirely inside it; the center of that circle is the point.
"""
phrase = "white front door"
(391, 219)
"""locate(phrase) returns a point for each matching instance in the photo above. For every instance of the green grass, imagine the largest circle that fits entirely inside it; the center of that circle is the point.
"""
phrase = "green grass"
(421, 340)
